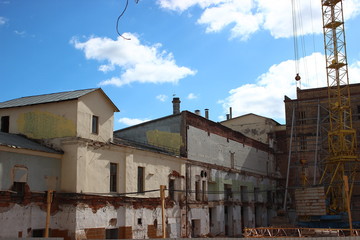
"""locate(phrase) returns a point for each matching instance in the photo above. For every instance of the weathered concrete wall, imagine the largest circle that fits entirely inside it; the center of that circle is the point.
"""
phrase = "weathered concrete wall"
(43, 120)
(163, 132)
(39, 173)
(91, 104)
(82, 221)
(215, 149)
(253, 126)
(63, 119)
(86, 168)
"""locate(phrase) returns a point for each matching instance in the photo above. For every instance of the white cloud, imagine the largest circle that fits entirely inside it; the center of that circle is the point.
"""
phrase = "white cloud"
(106, 68)
(265, 97)
(246, 17)
(132, 121)
(3, 20)
(192, 96)
(162, 97)
(138, 62)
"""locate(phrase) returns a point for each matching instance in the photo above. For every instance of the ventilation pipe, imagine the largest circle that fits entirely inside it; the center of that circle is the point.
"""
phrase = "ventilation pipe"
(230, 115)
(197, 112)
(206, 113)
(176, 105)
(227, 116)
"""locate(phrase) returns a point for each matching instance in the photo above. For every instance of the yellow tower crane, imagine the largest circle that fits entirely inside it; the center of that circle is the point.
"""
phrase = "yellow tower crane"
(342, 161)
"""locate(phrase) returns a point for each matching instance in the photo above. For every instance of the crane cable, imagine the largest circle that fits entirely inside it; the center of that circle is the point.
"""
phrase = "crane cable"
(121, 14)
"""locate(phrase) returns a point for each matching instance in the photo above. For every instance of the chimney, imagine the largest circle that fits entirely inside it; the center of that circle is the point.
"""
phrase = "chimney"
(197, 112)
(227, 116)
(206, 113)
(176, 105)
(230, 116)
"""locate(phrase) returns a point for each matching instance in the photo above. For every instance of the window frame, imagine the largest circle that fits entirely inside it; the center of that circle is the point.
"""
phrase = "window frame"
(113, 177)
(140, 180)
(95, 124)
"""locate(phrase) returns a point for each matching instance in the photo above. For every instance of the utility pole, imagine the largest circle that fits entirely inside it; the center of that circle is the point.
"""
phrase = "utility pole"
(162, 197)
(48, 209)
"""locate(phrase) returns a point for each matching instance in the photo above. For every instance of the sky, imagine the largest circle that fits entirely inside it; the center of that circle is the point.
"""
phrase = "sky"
(212, 54)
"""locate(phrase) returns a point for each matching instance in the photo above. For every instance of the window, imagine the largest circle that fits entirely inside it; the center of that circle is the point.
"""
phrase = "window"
(113, 177)
(38, 233)
(95, 124)
(19, 188)
(171, 189)
(232, 159)
(227, 192)
(5, 124)
(303, 143)
(112, 233)
(140, 184)
(197, 190)
(302, 117)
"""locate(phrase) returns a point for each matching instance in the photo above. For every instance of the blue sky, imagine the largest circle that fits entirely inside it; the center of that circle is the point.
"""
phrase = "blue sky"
(211, 54)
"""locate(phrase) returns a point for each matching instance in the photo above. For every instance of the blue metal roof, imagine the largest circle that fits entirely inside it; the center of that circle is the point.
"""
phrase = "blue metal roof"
(46, 98)
(21, 142)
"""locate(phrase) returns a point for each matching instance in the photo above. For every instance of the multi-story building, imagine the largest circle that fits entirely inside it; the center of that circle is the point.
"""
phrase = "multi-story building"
(106, 184)
(230, 178)
(307, 123)
(104, 188)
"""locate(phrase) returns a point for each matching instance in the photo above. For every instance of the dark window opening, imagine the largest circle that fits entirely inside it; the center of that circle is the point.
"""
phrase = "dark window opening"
(197, 190)
(38, 232)
(19, 188)
(113, 177)
(140, 184)
(228, 192)
(95, 124)
(139, 221)
(5, 123)
(112, 233)
(172, 189)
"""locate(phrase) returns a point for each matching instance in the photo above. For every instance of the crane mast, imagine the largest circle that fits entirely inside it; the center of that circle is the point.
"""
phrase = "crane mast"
(341, 163)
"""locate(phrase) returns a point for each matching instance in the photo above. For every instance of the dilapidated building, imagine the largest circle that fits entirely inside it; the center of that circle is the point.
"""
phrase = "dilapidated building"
(230, 178)
(106, 184)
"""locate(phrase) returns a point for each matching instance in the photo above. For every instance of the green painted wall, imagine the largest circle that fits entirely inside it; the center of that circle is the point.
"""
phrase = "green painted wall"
(39, 125)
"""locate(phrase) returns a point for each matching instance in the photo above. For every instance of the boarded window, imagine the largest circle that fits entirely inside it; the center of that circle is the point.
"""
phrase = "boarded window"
(140, 185)
(95, 124)
(113, 177)
(5, 124)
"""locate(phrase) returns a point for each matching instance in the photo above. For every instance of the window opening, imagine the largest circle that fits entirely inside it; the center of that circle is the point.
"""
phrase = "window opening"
(5, 123)
(113, 177)
(140, 184)
(95, 124)
(112, 233)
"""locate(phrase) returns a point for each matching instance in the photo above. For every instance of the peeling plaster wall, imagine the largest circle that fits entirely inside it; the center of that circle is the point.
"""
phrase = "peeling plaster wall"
(40, 121)
(42, 173)
(253, 126)
(86, 168)
(215, 149)
(164, 132)
(91, 104)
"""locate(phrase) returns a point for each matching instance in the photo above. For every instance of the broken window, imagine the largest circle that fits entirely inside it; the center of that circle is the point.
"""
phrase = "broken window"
(140, 185)
(113, 177)
(95, 124)
(302, 117)
(303, 143)
(5, 124)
